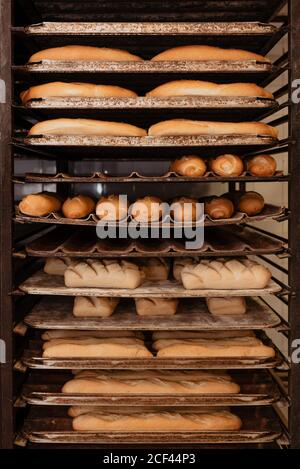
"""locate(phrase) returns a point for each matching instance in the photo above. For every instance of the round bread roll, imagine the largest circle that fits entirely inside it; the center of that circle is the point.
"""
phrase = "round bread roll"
(191, 166)
(78, 207)
(185, 209)
(251, 203)
(219, 208)
(146, 209)
(40, 205)
(83, 53)
(86, 127)
(227, 165)
(206, 88)
(82, 90)
(112, 208)
(175, 127)
(261, 165)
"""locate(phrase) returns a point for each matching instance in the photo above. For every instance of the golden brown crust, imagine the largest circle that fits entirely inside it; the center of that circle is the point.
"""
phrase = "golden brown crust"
(79, 206)
(146, 209)
(251, 203)
(185, 209)
(40, 205)
(112, 208)
(190, 166)
(227, 165)
(218, 208)
(261, 165)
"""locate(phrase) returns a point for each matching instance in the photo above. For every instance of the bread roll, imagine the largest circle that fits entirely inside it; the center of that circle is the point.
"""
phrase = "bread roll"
(90, 306)
(103, 274)
(56, 265)
(190, 166)
(230, 274)
(157, 335)
(156, 306)
(76, 53)
(40, 205)
(156, 269)
(218, 208)
(65, 126)
(216, 420)
(186, 209)
(147, 209)
(201, 52)
(179, 263)
(229, 305)
(206, 88)
(251, 203)
(75, 333)
(233, 347)
(227, 165)
(79, 206)
(112, 208)
(261, 165)
(175, 127)
(95, 347)
(70, 90)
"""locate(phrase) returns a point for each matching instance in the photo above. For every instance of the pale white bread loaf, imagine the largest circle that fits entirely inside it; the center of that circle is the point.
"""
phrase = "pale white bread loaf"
(56, 265)
(40, 204)
(156, 269)
(158, 422)
(156, 306)
(100, 385)
(175, 127)
(70, 333)
(203, 52)
(72, 53)
(231, 274)
(179, 263)
(157, 335)
(95, 347)
(206, 88)
(64, 126)
(70, 90)
(91, 306)
(104, 274)
(226, 305)
(234, 347)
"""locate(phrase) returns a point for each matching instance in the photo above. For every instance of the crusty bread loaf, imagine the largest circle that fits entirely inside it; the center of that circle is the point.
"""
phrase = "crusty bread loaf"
(75, 333)
(203, 52)
(156, 306)
(227, 165)
(64, 126)
(70, 90)
(155, 269)
(175, 127)
(112, 208)
(206, 88)
(91, 306)
(251, 203)
(145, 209)
(40, 204)
(186, 209)
(261, 165)
(217, 420)
(157, 335)
(231, 274)
(189, 166)
(181, 262)
(56, 265)
(79, 206)
(83, 53)
(104, 274)
(228, 305)
(95, 347)
(233, 347)
(218, 208)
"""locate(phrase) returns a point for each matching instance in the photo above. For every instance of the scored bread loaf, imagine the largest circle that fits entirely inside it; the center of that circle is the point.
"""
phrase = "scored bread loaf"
(40, 204)
(203, 52)
(157, 335)
(189, 166)
(112, 208)
(79, 206)
(227, 165)
(155, 269)
(91, 306)
(230, 274)
(156, 306)
(74, 333)
(64, 126)
(226, 305)
(158, 421)
(181, 262)
(56, 265)
(175, 127)
(69, 90)
(104, 274)
(83, 53)
(206, 88)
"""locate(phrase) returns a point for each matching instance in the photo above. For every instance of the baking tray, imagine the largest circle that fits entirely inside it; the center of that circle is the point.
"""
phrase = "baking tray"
(269, 211)
(56, 313)
(44, 389)
(41, 283)
(260, 425)
(223, 241)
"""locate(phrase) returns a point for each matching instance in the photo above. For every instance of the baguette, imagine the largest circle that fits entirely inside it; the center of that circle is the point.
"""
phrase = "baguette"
(78, 207)
(40, 205)
(85, 306)
(70, 333)
(157, 335)
(56, 265)
(156, 306)
(65, 126)
(72, 53)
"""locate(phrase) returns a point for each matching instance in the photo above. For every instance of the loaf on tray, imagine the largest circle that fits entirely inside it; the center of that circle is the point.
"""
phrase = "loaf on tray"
(40, 204)
(91, 306)
(101, 334)
(79, 206)
(156, 306)
(57, 265)
(230, 305)
(190, 166)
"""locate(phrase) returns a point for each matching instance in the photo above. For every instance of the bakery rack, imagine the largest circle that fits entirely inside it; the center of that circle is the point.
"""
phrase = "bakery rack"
(31, 406)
